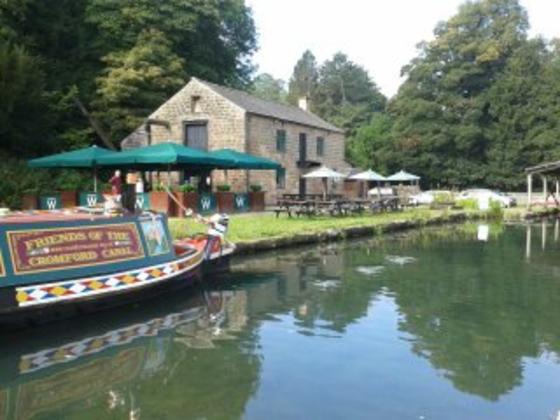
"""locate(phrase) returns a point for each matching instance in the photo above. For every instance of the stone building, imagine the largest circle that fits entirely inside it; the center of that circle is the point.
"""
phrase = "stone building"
(210, 117)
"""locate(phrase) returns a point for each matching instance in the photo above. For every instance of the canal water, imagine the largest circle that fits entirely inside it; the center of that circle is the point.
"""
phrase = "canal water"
(454, 323)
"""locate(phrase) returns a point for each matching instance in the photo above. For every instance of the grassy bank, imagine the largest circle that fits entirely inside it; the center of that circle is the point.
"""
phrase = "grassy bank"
(254, 227)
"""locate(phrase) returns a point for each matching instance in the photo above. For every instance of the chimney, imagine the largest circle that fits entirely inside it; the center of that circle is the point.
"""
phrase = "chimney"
(303, 103)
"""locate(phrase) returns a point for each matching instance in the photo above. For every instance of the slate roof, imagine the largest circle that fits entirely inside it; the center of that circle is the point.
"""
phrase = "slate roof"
(258, 106)
(250, 104)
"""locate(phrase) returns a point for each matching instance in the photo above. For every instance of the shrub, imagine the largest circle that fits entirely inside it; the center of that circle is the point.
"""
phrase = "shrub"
(223, 187)
(495, 211)
(70, 180)
(468, 204)
(17, 180)
(159, 187)
(255, 188)
(187, 188)
(443, 197)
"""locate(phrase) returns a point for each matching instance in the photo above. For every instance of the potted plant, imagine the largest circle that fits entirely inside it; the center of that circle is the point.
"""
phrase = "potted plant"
(160, 200)
(256, 197)
(188, 197)
(30, 199)
(224, 198)
(68, 183)
(31, 184)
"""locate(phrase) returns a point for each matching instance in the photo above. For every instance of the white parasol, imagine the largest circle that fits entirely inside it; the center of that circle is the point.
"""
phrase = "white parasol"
(324, 173)
(370, 175)
(403, 176)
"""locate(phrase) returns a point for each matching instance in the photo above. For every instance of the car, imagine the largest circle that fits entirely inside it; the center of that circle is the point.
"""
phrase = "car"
(482, 194)
(382, 191)
(428, 197)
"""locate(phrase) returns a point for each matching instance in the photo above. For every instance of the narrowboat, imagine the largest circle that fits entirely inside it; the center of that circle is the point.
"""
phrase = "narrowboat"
(55, 264)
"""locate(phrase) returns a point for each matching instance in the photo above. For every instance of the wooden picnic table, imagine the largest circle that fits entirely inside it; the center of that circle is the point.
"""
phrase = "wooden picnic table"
(341, 207)
(385, 203)
(298, 207)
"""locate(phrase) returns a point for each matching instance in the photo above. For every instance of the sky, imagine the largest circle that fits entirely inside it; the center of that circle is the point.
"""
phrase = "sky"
(380, 35)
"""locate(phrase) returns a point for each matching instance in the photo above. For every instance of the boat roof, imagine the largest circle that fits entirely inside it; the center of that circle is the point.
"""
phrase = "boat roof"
(19, 217)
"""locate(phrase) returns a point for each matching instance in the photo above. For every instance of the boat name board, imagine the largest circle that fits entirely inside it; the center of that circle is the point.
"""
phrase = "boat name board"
(39, 250)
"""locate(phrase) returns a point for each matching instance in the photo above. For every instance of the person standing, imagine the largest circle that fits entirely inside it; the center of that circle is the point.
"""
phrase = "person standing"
(116, 183)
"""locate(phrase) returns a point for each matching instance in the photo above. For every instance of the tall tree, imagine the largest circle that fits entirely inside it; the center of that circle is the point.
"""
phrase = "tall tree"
(305, 76)
(521, 131)
(136, 81)
(370, 146)
(79, 45)
(216, 37)
(265, 86)
(345, 94)
(23, 109)
(441, 111)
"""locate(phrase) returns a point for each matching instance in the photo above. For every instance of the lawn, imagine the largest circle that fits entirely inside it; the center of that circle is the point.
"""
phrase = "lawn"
(253, 227)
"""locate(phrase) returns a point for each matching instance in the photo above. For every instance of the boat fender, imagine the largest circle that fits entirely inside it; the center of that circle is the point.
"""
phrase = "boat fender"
(218, 225)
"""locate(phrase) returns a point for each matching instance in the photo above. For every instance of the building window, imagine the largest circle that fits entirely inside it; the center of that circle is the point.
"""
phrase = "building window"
(320, 146)
(196, 135)
(195, 104)
(281, 178)
(281, 141)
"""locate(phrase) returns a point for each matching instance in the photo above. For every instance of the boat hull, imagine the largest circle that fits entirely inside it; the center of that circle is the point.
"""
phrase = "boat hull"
(47, 302)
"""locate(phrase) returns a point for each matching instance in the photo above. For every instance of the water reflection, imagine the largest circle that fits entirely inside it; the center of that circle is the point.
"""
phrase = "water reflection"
(474, 312)
(137, 369)
(544, 229)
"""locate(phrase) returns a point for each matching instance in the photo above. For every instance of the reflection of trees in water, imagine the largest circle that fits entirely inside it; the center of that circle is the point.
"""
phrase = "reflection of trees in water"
(159, 368)
(312, 284)
(475, 311)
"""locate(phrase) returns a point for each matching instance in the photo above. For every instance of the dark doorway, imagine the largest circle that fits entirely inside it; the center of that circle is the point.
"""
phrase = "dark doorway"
(196, 136)
(302, 147)
(302, 187)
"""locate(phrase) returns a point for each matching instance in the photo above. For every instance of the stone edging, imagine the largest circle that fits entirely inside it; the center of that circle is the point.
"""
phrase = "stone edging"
(542, 213)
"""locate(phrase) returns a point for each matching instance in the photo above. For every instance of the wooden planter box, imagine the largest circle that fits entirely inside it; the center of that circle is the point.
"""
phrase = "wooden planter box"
(162, 203)
(225, 201)
(256, 201)
(69, 199)
(30, 202)
(189, 200)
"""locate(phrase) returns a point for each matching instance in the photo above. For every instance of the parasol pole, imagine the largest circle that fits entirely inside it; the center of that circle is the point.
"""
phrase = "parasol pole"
(325, 189)
(95, 179)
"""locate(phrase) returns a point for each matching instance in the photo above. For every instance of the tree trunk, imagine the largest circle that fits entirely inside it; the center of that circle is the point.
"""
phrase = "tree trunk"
(94, 124)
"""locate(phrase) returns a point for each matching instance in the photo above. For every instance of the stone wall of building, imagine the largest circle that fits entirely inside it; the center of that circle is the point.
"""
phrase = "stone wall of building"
(225, 122)
(230, 126)
(261, 134)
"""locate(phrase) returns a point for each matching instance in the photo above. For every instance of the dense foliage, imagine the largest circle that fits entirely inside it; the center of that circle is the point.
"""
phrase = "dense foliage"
(266, 87)
(339, 90)
(479, 103)
(119, 58)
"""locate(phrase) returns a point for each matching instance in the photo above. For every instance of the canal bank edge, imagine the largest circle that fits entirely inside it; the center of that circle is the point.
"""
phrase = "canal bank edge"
(268, 244)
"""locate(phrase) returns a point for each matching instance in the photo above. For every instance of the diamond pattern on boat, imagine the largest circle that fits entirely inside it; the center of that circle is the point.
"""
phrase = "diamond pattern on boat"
(73, 289)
